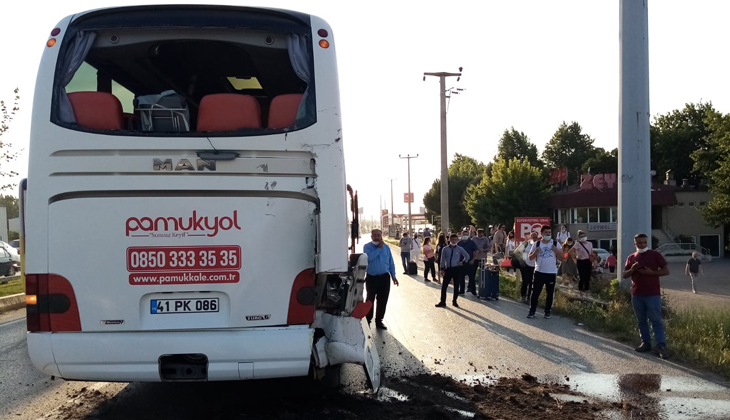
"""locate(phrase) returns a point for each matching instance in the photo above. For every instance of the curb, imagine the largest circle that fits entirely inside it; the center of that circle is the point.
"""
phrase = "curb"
(12, 302)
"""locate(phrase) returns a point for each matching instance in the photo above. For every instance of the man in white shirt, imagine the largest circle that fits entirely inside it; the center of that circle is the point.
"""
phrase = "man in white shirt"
(546, 254)
(563, 234)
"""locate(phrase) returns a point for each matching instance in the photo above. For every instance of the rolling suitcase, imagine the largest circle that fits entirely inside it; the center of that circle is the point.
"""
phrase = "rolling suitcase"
(492, 284)
(412, 268)
(488, 282)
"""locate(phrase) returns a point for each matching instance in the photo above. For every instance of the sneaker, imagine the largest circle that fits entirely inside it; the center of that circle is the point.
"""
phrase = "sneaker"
(441, 305)
(405, 272)
(644, 347)
(547, 315)
(531, 315)
(380, 325)
(454, 304)
(662, 352)
(425, 279)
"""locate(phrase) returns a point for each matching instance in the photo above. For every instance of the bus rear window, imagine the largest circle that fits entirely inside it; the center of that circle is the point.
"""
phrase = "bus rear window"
(185, 81)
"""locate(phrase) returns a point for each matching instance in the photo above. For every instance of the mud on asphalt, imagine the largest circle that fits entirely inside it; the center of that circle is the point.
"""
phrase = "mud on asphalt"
(424, 396)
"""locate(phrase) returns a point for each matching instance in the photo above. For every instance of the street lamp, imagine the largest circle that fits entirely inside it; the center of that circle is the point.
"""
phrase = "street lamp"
(444, 155)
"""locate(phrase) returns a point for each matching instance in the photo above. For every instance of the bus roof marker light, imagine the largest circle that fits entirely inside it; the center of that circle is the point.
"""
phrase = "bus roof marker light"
(324, 43)
(323, 33)
(51, 42)
(55, 31)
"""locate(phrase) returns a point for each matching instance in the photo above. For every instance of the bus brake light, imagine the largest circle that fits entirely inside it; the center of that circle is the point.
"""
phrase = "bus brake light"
(324, 43)
(51, 42)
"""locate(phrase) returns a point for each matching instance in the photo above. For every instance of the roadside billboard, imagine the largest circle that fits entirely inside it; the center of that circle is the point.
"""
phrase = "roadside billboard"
(526, 225)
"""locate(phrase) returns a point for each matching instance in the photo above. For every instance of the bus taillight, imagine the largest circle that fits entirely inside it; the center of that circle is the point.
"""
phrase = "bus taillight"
(301, 300)
(50, 304)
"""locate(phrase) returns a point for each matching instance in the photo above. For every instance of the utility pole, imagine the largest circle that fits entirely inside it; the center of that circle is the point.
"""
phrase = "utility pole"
(444, 155)
(409, 157)
(634, 186)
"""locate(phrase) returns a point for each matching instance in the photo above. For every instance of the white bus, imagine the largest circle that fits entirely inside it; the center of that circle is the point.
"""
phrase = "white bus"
(185, 213)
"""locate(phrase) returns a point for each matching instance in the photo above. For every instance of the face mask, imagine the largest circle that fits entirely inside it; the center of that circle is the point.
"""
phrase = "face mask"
(547, 237)
(563, 229)
(452, 244)
(376, 243)
(464, 238)
(642, 250)
(583, 239)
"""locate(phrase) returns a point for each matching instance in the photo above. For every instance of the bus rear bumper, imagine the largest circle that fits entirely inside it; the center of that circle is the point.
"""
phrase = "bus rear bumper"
(134, 356)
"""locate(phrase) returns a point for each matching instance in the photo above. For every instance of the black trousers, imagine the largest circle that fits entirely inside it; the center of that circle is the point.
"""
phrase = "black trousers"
(377, 287)
(430, 265)
(453, 273)
(468, 269)
(584, 273)
(540, 280)
(527, 273)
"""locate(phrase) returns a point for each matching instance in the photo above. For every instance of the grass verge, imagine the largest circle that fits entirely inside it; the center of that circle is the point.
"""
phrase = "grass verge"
(12, 287)
(698, 336)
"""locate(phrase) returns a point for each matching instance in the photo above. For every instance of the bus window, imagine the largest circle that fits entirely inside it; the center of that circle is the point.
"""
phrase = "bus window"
(86, 80)
(161, 77)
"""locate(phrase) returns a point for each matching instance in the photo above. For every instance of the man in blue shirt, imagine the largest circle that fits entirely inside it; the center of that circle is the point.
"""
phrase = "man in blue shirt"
(452, 258)
(470, 267)
(381, 269)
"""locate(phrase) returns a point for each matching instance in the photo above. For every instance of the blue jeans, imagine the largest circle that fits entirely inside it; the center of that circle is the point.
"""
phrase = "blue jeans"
(649, 307)
(405, 257)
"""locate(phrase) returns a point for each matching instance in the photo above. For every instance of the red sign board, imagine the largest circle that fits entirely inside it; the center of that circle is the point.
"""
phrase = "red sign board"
(385, 220)
(524, 226)
(598, 181)
(407, 198)
(558, 176)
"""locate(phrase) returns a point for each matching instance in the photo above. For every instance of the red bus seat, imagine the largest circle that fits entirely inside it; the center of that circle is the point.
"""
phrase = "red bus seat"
(97, 110)
(283, 110)
(228, 112)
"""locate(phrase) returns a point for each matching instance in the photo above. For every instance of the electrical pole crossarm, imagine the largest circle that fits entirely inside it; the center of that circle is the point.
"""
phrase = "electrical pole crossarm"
(444, 74)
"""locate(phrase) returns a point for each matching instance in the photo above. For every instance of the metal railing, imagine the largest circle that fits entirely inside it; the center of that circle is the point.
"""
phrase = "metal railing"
(670, 234)
(683, 249)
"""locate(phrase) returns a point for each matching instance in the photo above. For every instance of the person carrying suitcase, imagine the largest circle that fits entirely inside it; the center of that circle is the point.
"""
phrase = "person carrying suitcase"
(545, 253)
(453, 258)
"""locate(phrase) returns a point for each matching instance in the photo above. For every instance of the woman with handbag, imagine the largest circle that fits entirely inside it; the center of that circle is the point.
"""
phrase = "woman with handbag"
(569, 269)
(429, 260)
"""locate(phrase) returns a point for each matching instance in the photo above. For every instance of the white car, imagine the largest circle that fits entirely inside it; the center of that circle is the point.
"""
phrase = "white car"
(14, 254)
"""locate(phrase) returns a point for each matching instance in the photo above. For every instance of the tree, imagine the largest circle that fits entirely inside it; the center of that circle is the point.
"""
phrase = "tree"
(570, 148)
(515, 144)
(515, 188)
(676, 136)
(11, 205)
(6, 152)
(463, 172)
(602, 162)
(717, 212)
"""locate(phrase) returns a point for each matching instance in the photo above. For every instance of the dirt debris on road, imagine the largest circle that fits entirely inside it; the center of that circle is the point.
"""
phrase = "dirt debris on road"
(423, 396)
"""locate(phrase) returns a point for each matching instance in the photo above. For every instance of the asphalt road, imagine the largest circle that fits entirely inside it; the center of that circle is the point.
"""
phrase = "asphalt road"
(477, 340)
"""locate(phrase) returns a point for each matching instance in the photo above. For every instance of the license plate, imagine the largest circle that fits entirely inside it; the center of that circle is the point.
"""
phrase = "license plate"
(183, 306)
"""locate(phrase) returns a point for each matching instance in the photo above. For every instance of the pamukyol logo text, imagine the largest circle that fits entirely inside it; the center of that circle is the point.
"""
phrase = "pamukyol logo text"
(181, 226)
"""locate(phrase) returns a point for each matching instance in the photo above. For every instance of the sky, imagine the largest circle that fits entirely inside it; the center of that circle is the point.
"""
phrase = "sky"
(527, 64)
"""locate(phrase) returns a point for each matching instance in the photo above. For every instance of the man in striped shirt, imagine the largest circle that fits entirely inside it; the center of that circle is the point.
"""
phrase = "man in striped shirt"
(453, 257)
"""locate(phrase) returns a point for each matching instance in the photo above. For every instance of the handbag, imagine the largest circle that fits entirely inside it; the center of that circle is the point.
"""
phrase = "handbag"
(506, 262)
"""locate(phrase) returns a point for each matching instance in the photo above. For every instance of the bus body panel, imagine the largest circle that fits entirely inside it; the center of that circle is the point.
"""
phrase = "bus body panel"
(122, 253)
(273, 353)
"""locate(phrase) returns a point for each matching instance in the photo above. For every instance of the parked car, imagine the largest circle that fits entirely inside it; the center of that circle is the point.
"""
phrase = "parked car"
(15, 254)
(15, 244)
(9, 260)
